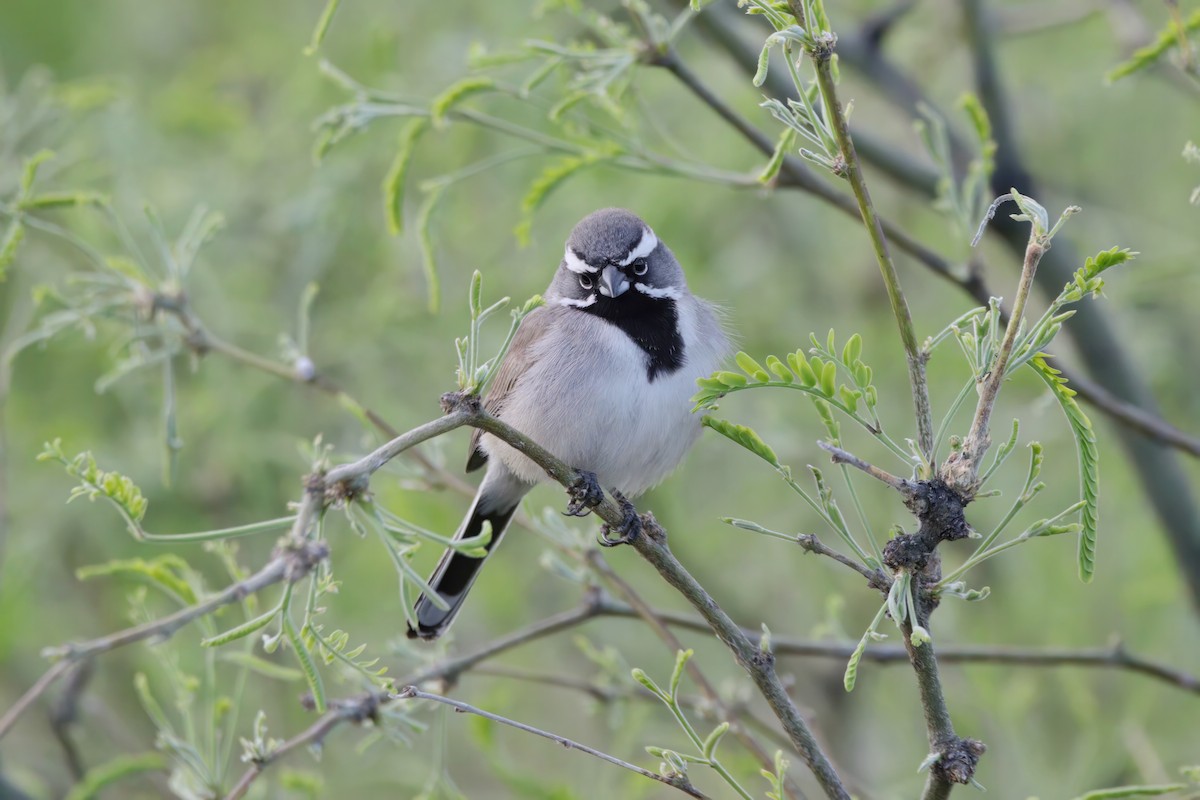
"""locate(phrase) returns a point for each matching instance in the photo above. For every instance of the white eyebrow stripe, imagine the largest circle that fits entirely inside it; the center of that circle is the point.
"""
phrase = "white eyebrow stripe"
(577, 264)
(645, 247)
(570, 301)
(666, 291)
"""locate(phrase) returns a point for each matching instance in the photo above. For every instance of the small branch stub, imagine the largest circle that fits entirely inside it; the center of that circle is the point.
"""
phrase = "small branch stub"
(957, 760)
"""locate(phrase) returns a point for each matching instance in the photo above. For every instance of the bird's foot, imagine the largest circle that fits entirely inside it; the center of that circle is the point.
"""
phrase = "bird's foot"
(629, 529)
(585, 493)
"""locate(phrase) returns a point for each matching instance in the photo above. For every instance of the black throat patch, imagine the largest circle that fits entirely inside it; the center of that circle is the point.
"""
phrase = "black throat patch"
(652, 324)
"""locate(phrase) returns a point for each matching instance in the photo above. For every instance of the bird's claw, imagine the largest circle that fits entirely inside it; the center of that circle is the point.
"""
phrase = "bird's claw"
(585, 493)
(629, 529)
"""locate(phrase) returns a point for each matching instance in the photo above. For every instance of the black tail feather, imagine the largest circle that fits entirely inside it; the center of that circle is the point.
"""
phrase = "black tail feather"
(454, 575)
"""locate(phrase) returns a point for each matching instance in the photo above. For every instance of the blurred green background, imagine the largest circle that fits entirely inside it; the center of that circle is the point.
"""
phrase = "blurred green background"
(194, 103)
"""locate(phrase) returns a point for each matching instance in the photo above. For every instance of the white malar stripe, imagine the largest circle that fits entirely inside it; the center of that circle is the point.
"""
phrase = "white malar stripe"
(577, 264)
(644, 247)
(570, 301)
(666, 291)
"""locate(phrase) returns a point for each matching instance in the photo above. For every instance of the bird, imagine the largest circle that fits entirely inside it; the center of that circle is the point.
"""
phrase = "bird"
(601, 375)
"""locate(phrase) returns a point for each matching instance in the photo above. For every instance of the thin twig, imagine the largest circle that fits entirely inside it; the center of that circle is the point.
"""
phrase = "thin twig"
(1114, 657)
(840, 456)
(450, 669)
(290, 563)
(812, 544)
(795, 174)
(679, 782)
(356, 710)
(718, 710)
(961, 470)
(719, 21)
(822, 56)
(651, 545)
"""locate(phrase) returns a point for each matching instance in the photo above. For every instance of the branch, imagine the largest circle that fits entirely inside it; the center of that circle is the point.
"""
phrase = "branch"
(1112, 657)
(719, 21)
(291, 562)
(356, 710)
(795, 174)
(840, 456)
(450, 669)
(202, 342)
(961, 469)
(677, 781)
(822, 58)
(650, 543)
(956, 758)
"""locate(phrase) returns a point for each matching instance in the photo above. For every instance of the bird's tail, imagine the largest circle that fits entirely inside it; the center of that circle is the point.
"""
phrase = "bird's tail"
(456, 572)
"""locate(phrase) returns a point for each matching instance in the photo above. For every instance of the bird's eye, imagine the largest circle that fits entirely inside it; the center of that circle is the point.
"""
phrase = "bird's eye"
(585, 281)
(640, 267)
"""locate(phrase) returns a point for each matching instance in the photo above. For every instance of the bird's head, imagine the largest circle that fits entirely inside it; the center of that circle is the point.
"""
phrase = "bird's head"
(614, 265)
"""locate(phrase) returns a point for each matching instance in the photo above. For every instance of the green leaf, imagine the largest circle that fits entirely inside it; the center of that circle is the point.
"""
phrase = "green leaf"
(393, 182)
(1106, 259)
(161, 571)
(641, 677)
(551, 178)
(781, 371)
(709, 747)
(1144, 57)
(51, 201)
(101, 777)
(828, 378)
(245, 629)
(322, 27)
(787, 141)
(13, 235)
(455, 94)
(1089, 464)
(311, 676)
(681, 659)
(851, 675)
(261, 666)
(29, 171)
(799, 364)
(764, 60)
(751, 367)
(852, 350)
(425, 240)
(730, 379)
(744, 436)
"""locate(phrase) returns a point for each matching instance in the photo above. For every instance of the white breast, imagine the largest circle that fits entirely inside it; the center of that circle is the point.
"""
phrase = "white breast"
(588, 400)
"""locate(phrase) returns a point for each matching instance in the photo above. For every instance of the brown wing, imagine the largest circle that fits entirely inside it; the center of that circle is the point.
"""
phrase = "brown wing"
(518, 359)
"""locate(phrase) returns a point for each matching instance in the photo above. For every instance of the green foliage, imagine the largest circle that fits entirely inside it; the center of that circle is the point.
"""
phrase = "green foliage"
(676, 763)
(100, 778)
(393, 181)
(850, 677)
(776, 777)
(744, 436)
(166, 572)
(1149, 55)
(322, 26)
(474, 375)
(551, 178)
(455, 94)
(965, 201)
(817, 377)
(1089, 464)
(94, 482)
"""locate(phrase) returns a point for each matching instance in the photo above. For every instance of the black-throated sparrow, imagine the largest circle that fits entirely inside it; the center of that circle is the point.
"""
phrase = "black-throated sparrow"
(601, 376)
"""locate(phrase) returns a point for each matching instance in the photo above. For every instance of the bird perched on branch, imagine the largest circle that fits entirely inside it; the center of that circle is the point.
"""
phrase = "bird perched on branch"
(601, 376)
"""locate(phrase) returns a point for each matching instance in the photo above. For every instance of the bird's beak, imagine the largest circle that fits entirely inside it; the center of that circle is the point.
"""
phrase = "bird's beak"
(613, 282)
